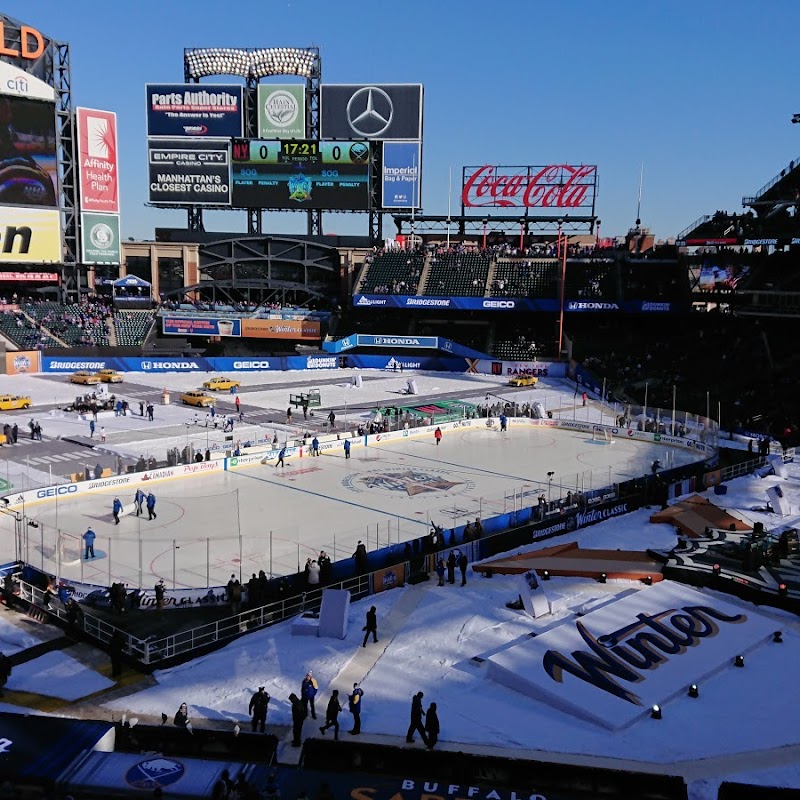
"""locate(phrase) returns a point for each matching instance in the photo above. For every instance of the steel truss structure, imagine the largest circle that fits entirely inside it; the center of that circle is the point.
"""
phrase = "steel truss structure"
(229, 62)
(428, 224)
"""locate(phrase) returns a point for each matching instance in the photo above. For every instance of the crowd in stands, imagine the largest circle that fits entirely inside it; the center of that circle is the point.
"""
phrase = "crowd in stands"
(84, 323)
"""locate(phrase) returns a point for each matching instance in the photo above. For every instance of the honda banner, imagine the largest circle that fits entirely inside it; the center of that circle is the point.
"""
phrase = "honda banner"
(378, 111)
(401, 175)
(97, 158)
(553, 187)
(192, 109)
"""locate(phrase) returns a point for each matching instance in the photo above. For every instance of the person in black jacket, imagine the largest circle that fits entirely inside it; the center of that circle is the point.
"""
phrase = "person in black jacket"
(298, 716)
(5, 671)
(332, 715)
(416, 719)
(462, 565)
(432, 726)
(371, 627)
(360, 556)
(258, 708)
(451, 567)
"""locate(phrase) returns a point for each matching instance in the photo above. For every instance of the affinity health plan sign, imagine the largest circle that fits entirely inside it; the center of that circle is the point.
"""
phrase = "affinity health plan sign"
(612, 665)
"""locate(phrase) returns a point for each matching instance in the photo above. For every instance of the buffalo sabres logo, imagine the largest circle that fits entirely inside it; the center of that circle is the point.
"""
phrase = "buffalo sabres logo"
(410, 482)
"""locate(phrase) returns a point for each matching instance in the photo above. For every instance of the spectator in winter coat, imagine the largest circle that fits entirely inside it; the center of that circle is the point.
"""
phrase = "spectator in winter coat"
(432, 726)
(355, 708)
(258, 708)
(182, 717)
(440, 571)
(332, 715)
(313, 574)
(360, 556)
(451, 567)
(151, 506)
(308, 691)
(416, 719)
(462, 565)
(299, 714)
(371, 626)
(437, 434)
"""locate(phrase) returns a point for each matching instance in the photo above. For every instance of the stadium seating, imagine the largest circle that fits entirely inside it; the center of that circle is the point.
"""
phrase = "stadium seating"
(22, 333)
(524, 277)
(393, 272)
(132, 327)
(458, 275)
(73, 323)
(590, 279)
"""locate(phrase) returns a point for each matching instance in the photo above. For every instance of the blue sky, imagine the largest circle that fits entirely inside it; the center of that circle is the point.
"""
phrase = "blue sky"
(701, 93)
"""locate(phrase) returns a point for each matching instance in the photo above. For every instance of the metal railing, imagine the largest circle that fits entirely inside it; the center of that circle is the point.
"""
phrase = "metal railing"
(696, 224)
(779, 177)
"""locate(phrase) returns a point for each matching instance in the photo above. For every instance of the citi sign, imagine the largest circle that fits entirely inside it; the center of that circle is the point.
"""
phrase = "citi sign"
(56, 491)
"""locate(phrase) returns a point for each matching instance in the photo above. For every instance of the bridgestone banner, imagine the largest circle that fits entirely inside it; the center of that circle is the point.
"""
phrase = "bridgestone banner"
(189, 171)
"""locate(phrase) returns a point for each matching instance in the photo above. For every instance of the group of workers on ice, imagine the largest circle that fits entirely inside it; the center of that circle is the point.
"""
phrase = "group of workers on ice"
(140, 502)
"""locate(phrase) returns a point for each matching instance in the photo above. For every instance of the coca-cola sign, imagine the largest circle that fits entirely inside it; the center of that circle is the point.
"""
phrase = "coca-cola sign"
(557, 186)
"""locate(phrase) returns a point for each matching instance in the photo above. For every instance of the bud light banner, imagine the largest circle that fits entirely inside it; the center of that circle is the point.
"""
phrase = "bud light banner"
(550, 188)
(193, 109)
(401, 174)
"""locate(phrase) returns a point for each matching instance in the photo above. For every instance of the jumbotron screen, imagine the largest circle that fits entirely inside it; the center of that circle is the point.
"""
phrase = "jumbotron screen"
(300, 174)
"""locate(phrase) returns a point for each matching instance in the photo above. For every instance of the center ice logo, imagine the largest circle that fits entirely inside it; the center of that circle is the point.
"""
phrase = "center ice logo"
(409, 482)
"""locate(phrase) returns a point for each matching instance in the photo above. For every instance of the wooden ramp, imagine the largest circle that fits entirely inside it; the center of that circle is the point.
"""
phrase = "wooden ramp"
(693, 515)
(571, 560)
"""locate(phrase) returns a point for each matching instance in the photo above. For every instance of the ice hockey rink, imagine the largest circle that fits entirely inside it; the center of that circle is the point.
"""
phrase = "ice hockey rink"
(273, 518)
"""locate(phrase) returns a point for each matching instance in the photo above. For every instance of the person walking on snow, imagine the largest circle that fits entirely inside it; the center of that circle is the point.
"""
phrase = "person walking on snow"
(440, 571)
(332, 715)
(102, 434)
(138, 500)
(88, 539)
(437, 434)
(116, 510)
(432, 726)
(346, 449)
(332, 419)
(238, 403)
(258, 708)
(355, 708)
(298, 716)
(417, 714)
(151, 506)
(371, 626)
(308, 691)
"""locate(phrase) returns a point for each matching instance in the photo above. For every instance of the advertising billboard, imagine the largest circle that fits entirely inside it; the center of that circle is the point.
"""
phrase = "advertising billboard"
(29, 235)
(401, 175)
(100, 239)
(201, 326)
(281, 111)
(378, 111)
(184, 171)
(28, 167)
(23, 361)
(16, 81)
(192, 109)
(280, 329)
(97, 156)
(550, 188)
(303, 173)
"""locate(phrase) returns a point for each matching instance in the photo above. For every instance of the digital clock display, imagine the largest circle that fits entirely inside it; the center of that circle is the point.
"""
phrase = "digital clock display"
(300, 173)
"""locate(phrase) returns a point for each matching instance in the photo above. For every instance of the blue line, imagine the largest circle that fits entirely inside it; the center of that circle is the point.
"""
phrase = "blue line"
(331, 497)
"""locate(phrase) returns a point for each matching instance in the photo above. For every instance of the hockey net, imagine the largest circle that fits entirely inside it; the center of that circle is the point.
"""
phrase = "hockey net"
(602, 434)
(70, 549)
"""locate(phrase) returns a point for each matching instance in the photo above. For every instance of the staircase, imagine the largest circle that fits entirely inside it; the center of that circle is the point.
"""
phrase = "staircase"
(422, 286)
(112, 332)
(46, 330)
(490, 275)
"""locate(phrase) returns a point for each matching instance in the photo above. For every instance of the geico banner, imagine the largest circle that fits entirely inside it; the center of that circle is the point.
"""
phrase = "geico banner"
(280, 329)
(192, 109)
(185, 171)
(98, 162)
(364, 111)
(29, 235)
(459, 303)
(23, 362)
(281, 111)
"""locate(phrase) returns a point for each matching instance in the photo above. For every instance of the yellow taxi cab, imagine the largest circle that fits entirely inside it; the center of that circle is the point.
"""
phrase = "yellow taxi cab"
(221, 384)
(10, 402)
(109, 376)
(84, 377)
(197, 397)
(523, 380)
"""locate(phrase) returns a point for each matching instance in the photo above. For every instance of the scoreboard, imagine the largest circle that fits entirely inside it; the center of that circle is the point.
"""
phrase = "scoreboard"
(301, 174)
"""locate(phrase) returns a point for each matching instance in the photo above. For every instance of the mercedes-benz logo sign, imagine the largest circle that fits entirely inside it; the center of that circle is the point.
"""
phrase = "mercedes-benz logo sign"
(370, 111)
